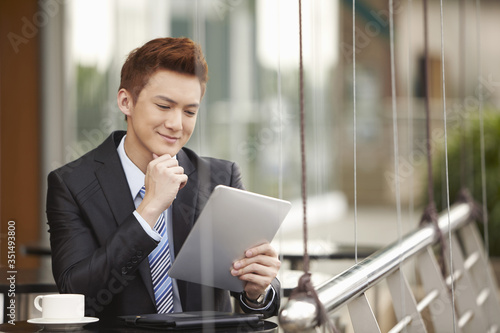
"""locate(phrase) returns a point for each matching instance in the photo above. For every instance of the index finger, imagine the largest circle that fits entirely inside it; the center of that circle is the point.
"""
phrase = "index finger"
(161, 157)
(265, 249)
(163, 160)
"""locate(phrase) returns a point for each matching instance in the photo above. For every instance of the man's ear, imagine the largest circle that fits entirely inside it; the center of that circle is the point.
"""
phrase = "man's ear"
(125, 103)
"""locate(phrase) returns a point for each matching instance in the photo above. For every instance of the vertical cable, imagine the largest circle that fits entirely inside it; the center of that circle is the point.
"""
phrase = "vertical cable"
(280, 112)
(354, 130)
(430, 213)
(280, 122)
(199, 36)
(481, 128)
(410, 104)
(395, 140)
(446, 162)
(316, 105)
(394, 118)
(305, 286)
(461, 81)
(430, 193)
(302, 143)
(410, 118)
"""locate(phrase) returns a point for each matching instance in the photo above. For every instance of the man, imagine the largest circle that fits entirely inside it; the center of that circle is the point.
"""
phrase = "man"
(102, 226)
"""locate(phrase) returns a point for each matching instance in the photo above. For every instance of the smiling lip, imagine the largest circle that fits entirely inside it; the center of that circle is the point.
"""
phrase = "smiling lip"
(169, 139)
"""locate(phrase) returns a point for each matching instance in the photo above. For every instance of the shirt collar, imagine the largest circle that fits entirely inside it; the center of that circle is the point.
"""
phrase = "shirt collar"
(135, 177)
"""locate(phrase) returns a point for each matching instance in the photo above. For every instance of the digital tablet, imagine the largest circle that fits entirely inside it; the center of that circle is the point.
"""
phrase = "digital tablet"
(195, 321)
(232, 221)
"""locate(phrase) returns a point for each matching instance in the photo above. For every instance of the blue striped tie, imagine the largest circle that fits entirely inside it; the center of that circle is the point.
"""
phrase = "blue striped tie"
(159, 262)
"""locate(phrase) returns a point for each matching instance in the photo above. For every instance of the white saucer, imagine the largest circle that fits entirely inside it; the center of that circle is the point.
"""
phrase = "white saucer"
(62, 325)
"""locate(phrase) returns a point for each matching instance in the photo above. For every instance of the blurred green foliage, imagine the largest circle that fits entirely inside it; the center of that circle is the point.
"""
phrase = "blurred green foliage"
(464, 157)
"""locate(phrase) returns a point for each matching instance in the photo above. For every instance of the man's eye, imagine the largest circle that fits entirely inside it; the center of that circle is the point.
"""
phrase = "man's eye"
(164, 107)
(190, 113)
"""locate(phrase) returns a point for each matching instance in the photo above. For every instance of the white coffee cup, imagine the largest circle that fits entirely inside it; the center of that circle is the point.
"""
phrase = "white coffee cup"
(61, 307)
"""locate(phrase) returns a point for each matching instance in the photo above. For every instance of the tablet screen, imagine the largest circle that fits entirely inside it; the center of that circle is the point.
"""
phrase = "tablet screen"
(232, 221)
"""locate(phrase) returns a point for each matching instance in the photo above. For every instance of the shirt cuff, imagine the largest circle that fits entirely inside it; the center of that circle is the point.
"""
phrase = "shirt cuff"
(266, 306)
(147, 228)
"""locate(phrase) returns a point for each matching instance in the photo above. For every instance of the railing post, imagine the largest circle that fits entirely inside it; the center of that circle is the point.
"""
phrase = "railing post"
(440, 307)
(362, 317)
(404, 304)
(482, 273)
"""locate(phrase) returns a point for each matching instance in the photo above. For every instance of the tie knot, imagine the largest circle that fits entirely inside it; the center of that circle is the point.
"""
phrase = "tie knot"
(142, 191)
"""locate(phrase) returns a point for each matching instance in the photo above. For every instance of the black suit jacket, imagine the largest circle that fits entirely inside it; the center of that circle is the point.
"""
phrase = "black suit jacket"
(99, 249)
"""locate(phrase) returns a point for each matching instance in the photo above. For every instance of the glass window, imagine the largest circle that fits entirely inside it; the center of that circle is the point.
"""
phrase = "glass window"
(250, 112)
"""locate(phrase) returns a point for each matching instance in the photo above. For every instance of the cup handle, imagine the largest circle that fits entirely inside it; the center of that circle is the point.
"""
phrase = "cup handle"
(36, 302)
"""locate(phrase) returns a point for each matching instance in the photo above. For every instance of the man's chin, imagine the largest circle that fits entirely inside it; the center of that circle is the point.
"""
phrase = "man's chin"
(171, 152)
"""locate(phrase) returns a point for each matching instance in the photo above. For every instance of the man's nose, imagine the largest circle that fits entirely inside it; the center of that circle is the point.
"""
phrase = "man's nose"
(174, 120)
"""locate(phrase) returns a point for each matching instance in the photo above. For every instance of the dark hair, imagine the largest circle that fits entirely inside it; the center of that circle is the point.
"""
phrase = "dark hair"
(181, 55)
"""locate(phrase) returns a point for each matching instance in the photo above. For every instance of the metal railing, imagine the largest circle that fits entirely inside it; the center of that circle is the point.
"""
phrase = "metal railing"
(355, 281)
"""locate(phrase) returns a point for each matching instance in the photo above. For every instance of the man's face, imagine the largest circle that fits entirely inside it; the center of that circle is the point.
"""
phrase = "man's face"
(164, 116)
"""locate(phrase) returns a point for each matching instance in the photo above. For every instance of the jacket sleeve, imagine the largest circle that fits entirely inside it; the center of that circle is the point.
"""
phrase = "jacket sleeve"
(268, 310)
(84, 259)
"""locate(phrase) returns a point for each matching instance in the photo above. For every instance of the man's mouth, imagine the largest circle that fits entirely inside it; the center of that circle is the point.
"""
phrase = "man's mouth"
(169, 139)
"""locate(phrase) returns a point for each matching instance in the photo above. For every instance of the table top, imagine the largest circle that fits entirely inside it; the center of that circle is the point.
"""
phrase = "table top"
(23, 326)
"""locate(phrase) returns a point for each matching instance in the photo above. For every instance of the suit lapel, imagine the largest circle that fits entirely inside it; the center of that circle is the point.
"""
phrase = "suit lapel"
(184, 206)
(112, 178)
(114, 185)
(184, 213)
